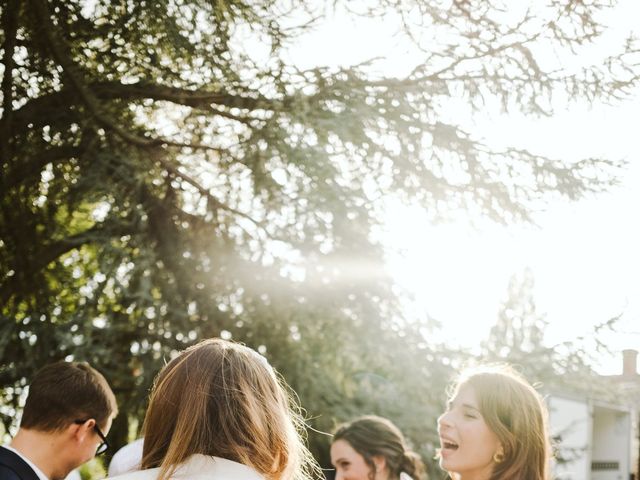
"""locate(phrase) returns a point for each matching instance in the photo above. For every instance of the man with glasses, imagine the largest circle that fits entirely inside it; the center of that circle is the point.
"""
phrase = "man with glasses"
(66, 419)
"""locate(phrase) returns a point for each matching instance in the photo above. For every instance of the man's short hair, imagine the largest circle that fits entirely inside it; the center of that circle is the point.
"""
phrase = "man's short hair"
(63, 392)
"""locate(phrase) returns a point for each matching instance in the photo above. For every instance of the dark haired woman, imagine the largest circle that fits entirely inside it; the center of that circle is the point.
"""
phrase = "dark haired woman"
(372, 448)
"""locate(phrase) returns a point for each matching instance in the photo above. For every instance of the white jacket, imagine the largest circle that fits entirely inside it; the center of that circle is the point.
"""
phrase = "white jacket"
(127, 459)
(200, 467)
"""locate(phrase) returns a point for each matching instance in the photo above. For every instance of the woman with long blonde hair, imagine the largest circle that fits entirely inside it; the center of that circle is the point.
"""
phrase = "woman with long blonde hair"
(219, 410)
(494, 428)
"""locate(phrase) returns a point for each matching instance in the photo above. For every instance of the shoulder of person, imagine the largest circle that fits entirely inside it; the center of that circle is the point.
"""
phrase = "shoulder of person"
(7, 473)
(207, 467)
(200, 467)
(127, 459)
(148, 474)
(13, 467)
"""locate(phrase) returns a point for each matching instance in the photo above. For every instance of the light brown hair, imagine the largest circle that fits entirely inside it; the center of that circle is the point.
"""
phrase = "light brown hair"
(63, 392)
(371, 436)
(516, 413)
(223, 399)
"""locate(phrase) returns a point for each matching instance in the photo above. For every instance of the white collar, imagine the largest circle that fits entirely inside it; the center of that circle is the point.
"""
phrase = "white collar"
(220, 466)
(199, 466)
(33, 466)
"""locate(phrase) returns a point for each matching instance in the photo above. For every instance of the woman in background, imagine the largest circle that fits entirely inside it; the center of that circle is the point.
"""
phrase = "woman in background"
(219, 411)
(372, 448)
(494, 428)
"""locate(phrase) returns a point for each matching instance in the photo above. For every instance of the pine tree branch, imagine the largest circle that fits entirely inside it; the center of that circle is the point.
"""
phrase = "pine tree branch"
(204, 191)
(41, 107)
(33, 166)
(49, 252)
(61, 54)
(63, 58)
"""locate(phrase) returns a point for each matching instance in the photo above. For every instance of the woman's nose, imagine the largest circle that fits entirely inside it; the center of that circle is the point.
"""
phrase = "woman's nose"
(444, 420)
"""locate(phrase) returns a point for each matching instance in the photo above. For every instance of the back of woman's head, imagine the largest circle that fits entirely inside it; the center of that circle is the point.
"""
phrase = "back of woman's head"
(372, 436)
(516, 413)
(223, 399)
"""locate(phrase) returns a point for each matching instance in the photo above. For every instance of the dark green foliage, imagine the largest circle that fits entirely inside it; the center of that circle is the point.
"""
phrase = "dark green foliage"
(167, 175)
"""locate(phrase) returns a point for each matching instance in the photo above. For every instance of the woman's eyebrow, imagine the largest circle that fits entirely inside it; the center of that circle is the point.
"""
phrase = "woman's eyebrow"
(451, 403)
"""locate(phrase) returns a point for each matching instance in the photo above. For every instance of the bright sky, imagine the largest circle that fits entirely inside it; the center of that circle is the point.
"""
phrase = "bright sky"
(585, 256)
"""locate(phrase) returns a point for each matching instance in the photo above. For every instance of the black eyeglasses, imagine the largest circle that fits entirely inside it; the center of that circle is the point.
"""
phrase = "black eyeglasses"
(104, 445)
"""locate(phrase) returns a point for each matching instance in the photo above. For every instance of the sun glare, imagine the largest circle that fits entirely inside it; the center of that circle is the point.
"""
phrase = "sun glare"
(583, 255)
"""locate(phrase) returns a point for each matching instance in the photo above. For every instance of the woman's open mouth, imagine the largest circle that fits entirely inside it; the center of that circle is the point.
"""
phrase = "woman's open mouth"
(448, 445)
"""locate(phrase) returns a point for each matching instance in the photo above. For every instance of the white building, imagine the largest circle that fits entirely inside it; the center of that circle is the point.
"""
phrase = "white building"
(597, 439)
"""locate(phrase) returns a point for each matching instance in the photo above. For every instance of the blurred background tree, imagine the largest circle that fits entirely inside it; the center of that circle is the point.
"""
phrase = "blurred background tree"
(168, 174)
(518, 338)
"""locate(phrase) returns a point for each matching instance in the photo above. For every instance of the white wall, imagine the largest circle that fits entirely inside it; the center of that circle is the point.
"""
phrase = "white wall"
(611, 442)
(571, 420)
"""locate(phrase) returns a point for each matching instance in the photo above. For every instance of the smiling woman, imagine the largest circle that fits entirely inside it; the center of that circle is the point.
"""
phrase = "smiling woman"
(494, 428)
(373, 448)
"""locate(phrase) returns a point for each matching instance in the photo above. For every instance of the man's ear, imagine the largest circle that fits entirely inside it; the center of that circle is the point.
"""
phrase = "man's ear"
(80, 430)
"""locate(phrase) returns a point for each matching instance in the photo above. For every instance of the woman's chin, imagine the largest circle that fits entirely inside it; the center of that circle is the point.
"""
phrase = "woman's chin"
(445, 464)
